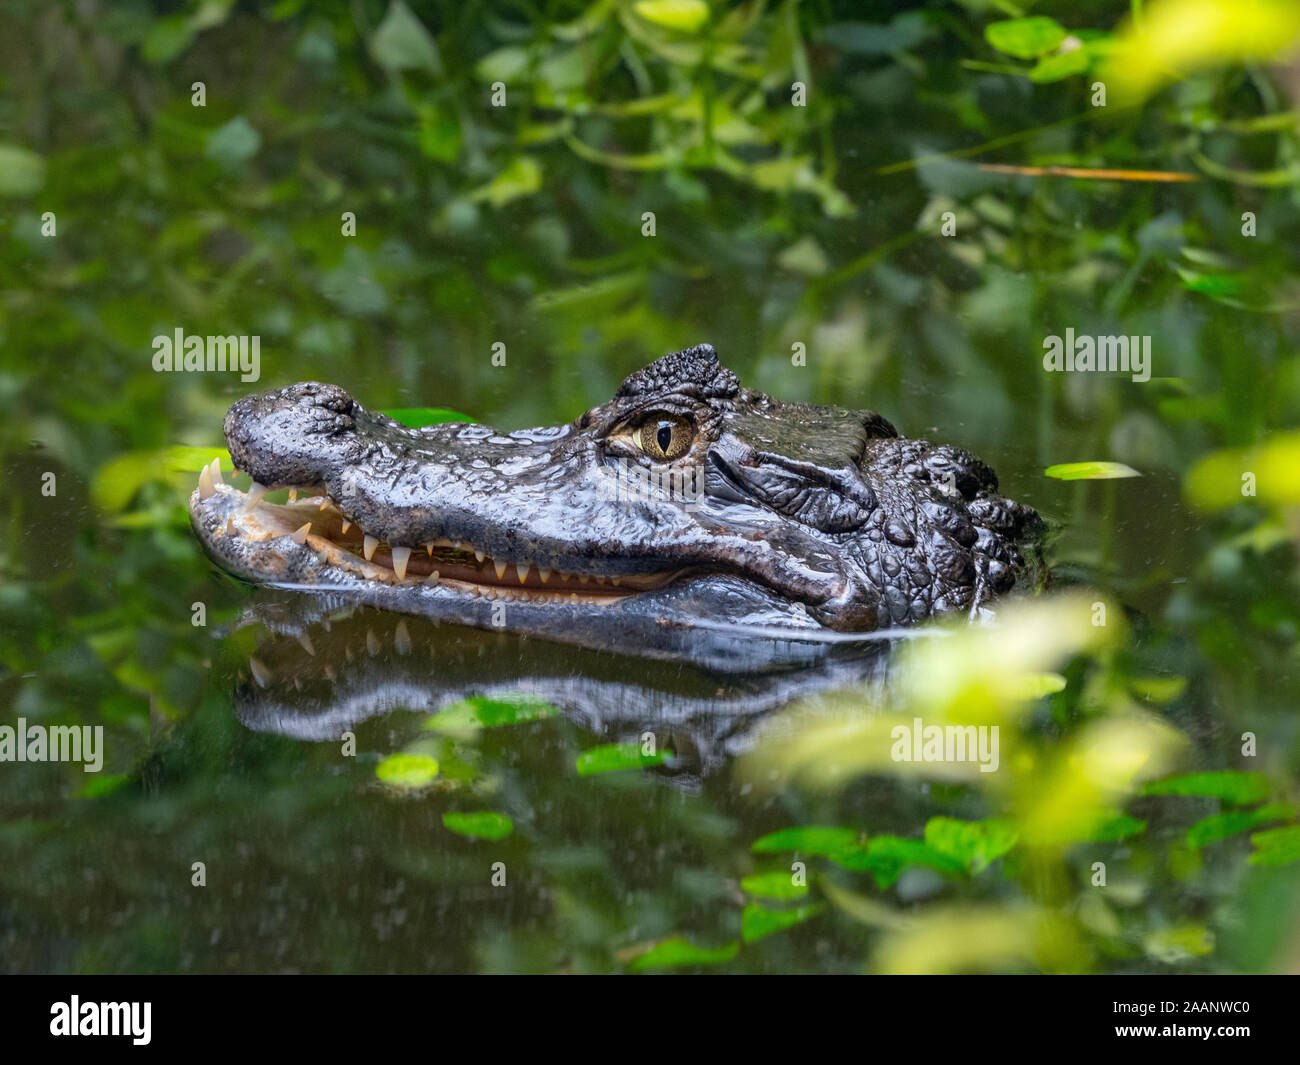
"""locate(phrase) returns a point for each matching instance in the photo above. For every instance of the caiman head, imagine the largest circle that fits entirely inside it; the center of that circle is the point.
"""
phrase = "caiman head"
(684, 494)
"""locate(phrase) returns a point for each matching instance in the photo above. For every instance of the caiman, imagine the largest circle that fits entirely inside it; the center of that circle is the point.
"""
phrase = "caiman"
(685, 502)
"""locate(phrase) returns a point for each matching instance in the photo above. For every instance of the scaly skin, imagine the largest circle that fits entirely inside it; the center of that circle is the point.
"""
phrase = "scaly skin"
(809, 517)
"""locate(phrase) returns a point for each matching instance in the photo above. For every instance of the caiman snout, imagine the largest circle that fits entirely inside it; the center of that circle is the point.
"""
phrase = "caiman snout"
(281, 436)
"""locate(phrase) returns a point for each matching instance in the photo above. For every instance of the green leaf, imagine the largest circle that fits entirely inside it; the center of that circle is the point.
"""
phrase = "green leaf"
(522, 177)
(613, 757)
(885, 858)
(685, 16)
(103, 784)
(22, 173)
(419, 417)
(1217, 479)
(1025, 38)
(505, 64)
(1111, 829)
(973, 843)
(1158, 689)
(401, 42)
(1276, 846)
(778, 884)
(488, 712)
(407, 770)
(807, 839)
(482, 824)
(758, 921)
(678, 953)
(1035, 685)
(168, 37)
(1230, 785)
(1090, 471)
(1221, 826)
(234, 143)
(1056, 67)
(118, 480)
(1173, 945)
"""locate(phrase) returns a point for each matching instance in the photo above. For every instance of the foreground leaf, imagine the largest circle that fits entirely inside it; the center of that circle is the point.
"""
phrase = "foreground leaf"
(407, 770)
(778, 884)
(975, 844)
(1025, 38)
(1230, 785)
(482, 824)
(1090, 471)
(613, 757)
(1276, 846)
(1221, 826)
(677, 953)
(758, 921)
(419, 417)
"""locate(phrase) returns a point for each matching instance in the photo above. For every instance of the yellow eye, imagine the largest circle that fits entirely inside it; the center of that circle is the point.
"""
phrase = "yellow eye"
(664, 437)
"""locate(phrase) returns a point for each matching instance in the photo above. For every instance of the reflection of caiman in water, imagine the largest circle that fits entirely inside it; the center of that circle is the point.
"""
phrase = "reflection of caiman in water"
(323, 666)
(806, 521)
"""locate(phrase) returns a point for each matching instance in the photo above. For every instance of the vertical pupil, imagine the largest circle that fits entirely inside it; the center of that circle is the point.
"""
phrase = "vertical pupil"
(665, 436)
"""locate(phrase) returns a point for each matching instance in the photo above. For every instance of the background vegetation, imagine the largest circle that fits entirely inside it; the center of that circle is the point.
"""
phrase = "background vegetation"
(775, 225)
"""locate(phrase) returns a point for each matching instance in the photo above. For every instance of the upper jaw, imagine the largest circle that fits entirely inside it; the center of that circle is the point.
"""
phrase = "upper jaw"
(528, 500)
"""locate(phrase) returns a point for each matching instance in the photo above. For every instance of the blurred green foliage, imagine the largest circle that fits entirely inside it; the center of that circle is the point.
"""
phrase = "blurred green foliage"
(127, 210)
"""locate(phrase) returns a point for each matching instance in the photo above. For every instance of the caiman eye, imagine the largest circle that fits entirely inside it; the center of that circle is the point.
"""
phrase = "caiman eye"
(664, 437)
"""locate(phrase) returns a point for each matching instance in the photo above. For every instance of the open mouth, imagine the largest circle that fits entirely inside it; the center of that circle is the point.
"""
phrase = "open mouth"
(311, 519)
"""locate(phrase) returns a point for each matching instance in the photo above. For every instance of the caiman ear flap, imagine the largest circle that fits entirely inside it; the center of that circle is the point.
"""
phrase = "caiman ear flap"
(695, 371)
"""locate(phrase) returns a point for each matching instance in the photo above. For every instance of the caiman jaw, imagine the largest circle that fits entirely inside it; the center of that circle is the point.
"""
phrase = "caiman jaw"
(312, 520)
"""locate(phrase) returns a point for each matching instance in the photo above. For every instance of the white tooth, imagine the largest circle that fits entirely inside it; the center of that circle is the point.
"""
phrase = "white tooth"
(479, 556)
(299, 536)
(230, 527)
(429, 548)
(501, 570)
(433, 577)
(324, 502)
(255, 493)
(401, 555)
(368, 547)
(216, 472)
(293, 495)
(522, 569)
(260, 673)
(346, 525)
(545, 574)
(205, 482)
(372, 643)
(402, 639)
(305, 640)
